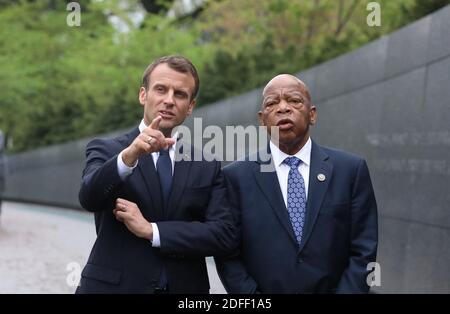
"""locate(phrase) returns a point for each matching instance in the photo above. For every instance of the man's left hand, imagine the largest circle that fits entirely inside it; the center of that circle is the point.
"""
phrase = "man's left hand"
(129, 213)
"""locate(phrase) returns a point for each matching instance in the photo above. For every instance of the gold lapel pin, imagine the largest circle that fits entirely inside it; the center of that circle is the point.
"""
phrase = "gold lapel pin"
(321, 177)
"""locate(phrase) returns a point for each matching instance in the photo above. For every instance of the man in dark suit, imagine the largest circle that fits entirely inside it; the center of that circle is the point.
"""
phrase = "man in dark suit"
(156, 217)
(308, 226)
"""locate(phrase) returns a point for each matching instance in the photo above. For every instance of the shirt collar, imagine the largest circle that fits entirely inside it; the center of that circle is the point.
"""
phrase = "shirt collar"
(142, 126)
(304, 154)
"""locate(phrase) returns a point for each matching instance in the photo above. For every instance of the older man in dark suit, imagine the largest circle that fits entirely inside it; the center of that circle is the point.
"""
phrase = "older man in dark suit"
(309, 226)
(156, 216)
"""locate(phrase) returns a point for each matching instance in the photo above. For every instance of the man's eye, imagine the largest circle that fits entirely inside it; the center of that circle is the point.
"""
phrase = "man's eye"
(181, 94)
(297, 100)
(160, 89)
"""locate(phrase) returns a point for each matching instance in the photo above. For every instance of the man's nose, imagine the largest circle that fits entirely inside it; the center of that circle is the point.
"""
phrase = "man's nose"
(169, 100)
(284, 107)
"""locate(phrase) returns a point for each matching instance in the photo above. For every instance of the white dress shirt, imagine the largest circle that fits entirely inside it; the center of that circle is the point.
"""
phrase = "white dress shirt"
(124, 171)
(282, 169)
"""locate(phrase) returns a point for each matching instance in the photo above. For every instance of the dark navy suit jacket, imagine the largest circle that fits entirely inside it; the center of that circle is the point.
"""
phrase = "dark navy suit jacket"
(339, 237)
(197, 222)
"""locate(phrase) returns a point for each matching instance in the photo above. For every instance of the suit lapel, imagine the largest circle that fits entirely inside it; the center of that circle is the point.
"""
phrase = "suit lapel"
(180, 175)
(267, 182)
(317, 189)
(148, 178)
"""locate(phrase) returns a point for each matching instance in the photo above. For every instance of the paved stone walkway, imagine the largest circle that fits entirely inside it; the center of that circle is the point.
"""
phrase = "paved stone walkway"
(39, 243)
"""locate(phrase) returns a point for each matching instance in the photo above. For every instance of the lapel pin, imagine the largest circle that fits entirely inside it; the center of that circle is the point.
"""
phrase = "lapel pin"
(321, 177)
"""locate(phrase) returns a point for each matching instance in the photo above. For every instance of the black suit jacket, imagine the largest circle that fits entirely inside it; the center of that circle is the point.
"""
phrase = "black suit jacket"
(339, 237)
(196, 223)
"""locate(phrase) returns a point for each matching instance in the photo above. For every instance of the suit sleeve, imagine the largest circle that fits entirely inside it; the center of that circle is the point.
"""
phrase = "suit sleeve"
(231, 269)
(364, 234)
(215, 235)
(100, 180)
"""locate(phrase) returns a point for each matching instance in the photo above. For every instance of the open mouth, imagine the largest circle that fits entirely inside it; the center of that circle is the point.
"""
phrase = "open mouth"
(285, 124)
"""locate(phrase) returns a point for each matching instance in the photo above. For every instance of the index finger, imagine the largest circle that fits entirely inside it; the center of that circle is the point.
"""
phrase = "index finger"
(155, 123)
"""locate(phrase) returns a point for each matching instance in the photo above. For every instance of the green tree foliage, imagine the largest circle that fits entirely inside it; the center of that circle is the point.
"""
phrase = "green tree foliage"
(421, 8)
(59, 83)
(276, 36)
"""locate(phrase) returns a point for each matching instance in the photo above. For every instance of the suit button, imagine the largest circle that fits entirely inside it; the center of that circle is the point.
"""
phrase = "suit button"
(300, 260)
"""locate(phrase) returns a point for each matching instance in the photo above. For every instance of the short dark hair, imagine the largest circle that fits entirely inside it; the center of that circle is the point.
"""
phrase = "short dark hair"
(177, 63)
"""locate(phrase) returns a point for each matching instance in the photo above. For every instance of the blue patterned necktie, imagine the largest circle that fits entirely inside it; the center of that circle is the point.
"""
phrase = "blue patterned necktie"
(164, 169)
(296, 197)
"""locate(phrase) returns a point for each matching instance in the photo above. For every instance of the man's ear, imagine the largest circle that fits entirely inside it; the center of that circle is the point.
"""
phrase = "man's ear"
(191, 107)
(312, 115)
(260, 118)
(142, 95)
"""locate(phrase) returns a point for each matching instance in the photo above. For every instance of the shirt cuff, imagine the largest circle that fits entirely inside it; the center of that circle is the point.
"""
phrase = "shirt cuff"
(123, 170)
(156, 240)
